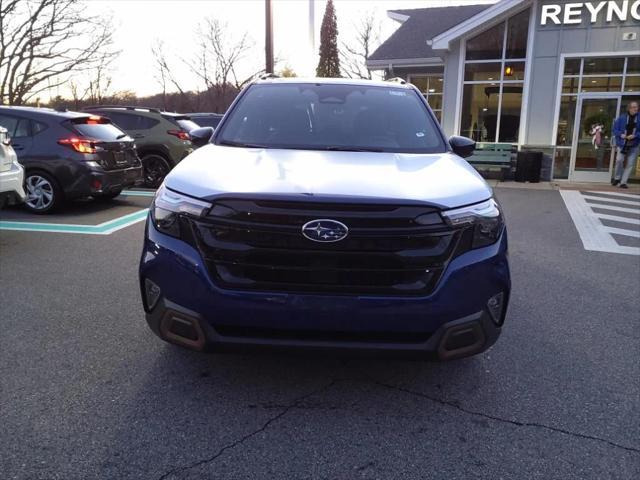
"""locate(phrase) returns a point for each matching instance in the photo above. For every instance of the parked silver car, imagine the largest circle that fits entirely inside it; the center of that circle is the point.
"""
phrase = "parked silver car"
(11, 172)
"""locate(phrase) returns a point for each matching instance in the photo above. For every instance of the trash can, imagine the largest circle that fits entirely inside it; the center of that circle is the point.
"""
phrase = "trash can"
(534, 166)
(522, 167)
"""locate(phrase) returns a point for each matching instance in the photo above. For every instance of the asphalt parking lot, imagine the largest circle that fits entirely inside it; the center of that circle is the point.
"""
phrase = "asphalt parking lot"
(87, 391)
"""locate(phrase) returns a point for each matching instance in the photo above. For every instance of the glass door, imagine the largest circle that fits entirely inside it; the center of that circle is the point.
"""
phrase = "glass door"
(592, 157)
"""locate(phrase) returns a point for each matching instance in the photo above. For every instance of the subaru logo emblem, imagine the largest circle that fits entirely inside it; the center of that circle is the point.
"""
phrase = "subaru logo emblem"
(325, 230)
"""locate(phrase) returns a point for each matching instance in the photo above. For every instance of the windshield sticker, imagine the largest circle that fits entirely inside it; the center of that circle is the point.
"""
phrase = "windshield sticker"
(419, 134)
(397, 93)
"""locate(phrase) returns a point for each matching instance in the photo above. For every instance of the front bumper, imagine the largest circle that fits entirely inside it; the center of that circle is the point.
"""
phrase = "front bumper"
(205, 316)
(90, 181)
(12, 185)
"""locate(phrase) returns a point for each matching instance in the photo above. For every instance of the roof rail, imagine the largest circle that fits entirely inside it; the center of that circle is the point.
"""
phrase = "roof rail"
(266, 76)
(126, 107)
(399, 80)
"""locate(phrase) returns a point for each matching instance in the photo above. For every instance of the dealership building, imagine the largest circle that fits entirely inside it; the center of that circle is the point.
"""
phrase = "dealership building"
(536, 74)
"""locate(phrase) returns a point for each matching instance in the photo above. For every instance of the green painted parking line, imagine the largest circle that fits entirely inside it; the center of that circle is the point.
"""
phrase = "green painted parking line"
(105, 228)
(137, 193)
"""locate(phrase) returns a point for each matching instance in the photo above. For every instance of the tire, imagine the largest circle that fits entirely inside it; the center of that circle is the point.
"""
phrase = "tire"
(108, 196)
(154, 168)
(43, 192)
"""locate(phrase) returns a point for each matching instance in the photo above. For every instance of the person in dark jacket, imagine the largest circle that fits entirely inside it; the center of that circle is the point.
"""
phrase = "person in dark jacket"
(627, 141)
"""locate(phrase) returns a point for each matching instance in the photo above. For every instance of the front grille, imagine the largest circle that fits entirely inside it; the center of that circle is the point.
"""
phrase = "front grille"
(258, 245)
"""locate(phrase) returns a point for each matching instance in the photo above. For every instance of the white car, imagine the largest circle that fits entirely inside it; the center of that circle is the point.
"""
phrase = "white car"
(11, 172)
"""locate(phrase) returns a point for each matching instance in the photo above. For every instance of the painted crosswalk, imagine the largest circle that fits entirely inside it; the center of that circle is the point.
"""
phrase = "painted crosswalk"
(606, 221)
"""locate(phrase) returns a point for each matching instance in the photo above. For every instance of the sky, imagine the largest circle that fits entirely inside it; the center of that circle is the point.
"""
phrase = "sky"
(140, 23)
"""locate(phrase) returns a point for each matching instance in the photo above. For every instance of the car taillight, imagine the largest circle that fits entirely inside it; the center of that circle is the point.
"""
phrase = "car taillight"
(78, 144)
(181, 134)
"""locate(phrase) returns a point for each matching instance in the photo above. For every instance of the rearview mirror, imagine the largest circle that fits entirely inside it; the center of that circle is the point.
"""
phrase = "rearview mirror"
(462, 146)
(201, 136)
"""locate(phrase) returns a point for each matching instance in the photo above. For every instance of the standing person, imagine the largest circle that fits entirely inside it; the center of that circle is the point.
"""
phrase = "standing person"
(627, 136)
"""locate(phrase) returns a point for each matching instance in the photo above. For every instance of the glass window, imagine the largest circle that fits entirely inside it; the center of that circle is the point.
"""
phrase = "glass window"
(482, 72)
(427, 84)
(601, 84)
(187, 125)
(633, 65)
(514, 71)
(17, 127)
(561, 163)
(488, 45)
(510, 113)
(603, 66)
(570, 84)
(517, 35)
(480, 112)
(103, 130)
(310, 116)
(632, 84)
(435, 102)
(37, 127)
(572, 66)
(566, 119)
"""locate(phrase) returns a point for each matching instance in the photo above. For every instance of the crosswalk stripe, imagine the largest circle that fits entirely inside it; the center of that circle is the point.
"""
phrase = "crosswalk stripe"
(616, 218)
(634, 196)
(622, 231)
(617, 209)
(611, 200)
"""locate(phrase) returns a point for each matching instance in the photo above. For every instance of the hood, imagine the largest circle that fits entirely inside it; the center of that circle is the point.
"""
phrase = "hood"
(444, 179)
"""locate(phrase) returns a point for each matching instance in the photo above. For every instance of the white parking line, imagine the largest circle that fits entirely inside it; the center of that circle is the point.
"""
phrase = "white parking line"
(594, 235)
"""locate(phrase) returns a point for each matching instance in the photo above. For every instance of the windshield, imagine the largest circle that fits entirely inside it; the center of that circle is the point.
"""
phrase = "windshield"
(187, 125)
(332, 117)
(101, 129)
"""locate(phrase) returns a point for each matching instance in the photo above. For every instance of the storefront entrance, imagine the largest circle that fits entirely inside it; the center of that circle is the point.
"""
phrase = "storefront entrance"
(593, 149)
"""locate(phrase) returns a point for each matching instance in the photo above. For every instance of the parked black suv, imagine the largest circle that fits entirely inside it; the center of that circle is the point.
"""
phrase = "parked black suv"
(162, 138)
(206, 119)
(70, 154)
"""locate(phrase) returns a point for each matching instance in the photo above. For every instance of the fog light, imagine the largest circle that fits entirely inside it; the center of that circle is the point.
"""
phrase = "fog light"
(152, 293)
(495, 306)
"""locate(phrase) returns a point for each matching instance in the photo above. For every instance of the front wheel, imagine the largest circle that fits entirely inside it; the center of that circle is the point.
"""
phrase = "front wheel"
(155, 168)
(43, 193)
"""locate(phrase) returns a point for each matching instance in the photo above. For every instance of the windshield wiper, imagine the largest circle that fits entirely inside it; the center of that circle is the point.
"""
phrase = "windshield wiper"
(340, 148)
(240, 144)
(121, 136)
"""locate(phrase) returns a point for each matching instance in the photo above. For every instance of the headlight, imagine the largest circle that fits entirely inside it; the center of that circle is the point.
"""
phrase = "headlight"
(485, 217)
(168, 206)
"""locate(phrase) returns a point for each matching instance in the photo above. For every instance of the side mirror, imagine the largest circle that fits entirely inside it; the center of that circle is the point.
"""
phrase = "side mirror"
(201, 136)
(462, 146)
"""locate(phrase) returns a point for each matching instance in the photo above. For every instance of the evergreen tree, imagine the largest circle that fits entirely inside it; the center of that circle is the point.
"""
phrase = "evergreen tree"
(329, 64)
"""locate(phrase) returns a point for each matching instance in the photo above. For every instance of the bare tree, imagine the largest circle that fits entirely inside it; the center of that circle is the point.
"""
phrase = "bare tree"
(354, 54)
(45, 42)
(218, 58)
(164, 74)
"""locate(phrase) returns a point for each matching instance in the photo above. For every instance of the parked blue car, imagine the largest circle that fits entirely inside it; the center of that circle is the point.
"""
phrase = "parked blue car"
(327, 213)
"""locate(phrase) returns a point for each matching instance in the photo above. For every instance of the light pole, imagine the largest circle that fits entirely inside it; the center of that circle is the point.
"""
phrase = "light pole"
(268, 44)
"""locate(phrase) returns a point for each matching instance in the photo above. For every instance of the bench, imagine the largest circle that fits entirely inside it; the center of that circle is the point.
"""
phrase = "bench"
(491, 157)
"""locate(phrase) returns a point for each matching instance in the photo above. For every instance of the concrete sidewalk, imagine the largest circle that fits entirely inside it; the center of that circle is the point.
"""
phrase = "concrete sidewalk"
(563, 185)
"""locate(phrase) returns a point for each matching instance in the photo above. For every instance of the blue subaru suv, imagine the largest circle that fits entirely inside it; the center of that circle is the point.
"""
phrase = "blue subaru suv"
(327, 213)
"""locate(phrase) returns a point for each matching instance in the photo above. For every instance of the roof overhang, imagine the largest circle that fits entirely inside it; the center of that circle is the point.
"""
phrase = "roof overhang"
(403, 62)
(397, 16)
(483, 19)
